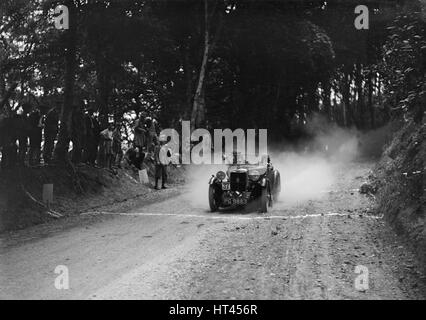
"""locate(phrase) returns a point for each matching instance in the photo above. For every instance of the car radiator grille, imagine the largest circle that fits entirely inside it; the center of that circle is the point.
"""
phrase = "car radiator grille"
(238, 181)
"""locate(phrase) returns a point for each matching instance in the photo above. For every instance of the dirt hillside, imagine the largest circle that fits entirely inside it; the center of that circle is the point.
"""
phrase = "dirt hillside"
(400, 181)
(75, 190)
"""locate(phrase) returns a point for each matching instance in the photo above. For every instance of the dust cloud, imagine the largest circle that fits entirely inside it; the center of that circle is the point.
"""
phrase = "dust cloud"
(310, 170)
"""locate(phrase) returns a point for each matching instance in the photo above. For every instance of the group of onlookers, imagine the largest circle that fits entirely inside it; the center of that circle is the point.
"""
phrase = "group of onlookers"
(21, 135)
(146, 146)
(29, 136)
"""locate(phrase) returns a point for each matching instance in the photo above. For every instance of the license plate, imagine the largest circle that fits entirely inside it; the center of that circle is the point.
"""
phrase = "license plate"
(226, 186)
(238, 201)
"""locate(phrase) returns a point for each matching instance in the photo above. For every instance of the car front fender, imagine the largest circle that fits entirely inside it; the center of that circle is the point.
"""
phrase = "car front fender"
(212, 180)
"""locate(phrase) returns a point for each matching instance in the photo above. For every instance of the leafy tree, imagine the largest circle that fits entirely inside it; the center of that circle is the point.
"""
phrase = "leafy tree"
(219, 63)
(404, 64)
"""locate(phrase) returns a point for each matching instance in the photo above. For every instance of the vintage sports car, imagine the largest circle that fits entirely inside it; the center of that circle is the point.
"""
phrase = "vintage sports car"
(243, 183)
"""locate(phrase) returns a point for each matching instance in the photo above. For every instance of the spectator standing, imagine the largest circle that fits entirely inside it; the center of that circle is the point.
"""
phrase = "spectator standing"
(140, 133)
(107, 137)
(116, 146)
(152, 137)
(160, 167)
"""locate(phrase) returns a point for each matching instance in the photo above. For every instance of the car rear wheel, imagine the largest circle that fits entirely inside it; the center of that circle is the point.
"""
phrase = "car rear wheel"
(271, 198)
(277, 188)
(213, 196)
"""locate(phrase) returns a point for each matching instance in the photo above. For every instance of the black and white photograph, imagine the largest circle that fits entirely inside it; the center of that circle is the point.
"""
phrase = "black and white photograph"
(212, 154)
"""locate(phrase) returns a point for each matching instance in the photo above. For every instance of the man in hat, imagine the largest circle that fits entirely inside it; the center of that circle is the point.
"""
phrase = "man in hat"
(140, 133)
(116, 146)
(107, 138)
(160, 164)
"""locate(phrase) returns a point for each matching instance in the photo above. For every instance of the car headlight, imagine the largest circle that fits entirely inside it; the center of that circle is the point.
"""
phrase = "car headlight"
(221, 175)
(254, 175)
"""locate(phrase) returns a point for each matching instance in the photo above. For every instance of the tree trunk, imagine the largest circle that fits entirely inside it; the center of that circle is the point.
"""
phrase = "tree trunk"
(2, 86)
(346, 98)
(370, 100)
(312, 99)
(360, 102)
(104, 86)
(198, 107)
(326, 99)
(188, 78)
(64, 137)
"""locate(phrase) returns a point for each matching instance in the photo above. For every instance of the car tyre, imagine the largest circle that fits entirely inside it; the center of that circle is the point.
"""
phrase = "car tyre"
(214, 206)
(271, 198)
(277, 188)
(264, 200)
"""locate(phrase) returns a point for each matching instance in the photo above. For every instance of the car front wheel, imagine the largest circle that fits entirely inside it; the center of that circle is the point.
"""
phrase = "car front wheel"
(264, 201)
(213, 196)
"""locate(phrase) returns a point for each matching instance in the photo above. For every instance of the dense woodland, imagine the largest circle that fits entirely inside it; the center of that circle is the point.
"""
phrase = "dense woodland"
(218, 63)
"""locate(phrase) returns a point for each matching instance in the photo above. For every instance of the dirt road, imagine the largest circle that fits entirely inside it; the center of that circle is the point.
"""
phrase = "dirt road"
(175, 249)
